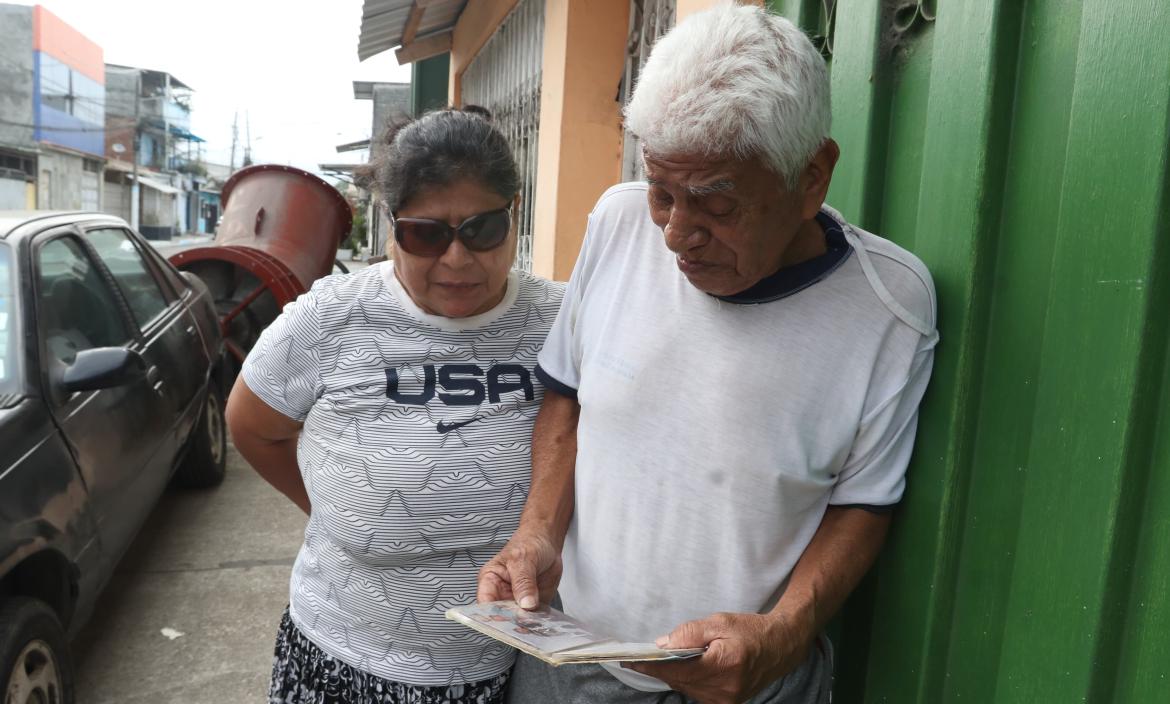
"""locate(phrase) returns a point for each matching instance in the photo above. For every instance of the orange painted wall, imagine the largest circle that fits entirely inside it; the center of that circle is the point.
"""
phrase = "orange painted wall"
(580, 124)
(689, 7)
(56, 38)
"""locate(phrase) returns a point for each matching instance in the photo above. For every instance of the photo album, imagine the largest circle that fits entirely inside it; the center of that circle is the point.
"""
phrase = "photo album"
(555, 638)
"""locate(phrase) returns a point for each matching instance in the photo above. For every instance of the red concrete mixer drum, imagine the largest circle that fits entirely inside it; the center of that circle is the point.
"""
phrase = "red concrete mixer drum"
(280, 232)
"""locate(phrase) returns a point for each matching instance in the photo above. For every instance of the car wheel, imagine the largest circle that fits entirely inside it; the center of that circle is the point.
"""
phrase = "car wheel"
(34, 658)
(206, 459)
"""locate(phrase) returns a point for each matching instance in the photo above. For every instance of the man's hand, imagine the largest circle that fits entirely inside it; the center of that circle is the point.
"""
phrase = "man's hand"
(527, 570)
(745, 653)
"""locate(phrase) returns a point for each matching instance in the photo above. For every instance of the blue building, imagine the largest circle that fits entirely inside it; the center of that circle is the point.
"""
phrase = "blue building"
(53, 138)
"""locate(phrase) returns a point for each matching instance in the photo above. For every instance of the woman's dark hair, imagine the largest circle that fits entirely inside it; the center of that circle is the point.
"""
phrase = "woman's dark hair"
(438, 149)
(478, 110)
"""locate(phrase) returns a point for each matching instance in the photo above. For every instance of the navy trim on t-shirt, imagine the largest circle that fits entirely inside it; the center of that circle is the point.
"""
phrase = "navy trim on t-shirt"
(871, 508)
(792, 279)
(553, 384)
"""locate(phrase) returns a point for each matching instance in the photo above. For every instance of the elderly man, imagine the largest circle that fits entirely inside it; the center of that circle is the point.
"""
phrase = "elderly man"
(729, 417)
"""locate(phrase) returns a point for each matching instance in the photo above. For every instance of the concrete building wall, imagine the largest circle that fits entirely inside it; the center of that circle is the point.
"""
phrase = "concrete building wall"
(116, 196)
(60, 180)
(159, 211)
(120, 87)
(11, 194)
(391, 100)
(16, 76)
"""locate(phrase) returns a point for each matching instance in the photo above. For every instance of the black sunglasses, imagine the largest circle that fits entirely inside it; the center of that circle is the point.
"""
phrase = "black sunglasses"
(423, 237)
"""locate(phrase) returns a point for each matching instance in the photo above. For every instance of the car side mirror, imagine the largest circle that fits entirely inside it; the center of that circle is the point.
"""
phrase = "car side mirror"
(103, 368)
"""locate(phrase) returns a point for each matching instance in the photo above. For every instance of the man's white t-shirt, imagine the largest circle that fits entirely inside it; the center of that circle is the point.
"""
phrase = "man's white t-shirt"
(416, 454)
(712, 434)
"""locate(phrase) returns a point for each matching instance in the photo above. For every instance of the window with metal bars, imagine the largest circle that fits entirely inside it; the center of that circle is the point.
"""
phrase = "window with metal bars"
(505, 78)
(17, 165)
(649, 20)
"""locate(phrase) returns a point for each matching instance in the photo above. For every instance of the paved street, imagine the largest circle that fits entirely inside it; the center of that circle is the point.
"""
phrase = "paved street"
(211, 565)
(178, 244)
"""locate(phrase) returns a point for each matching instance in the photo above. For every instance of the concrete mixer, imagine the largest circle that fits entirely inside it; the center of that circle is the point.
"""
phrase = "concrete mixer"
(280, 232)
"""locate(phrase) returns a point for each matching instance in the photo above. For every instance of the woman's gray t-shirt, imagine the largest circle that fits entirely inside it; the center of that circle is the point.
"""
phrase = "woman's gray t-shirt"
(416, 454)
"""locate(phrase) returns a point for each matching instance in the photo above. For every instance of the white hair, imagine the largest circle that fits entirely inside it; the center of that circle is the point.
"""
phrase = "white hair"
(734, 81)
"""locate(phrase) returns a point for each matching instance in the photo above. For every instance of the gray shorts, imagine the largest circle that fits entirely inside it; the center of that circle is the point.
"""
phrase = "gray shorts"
(534, 682)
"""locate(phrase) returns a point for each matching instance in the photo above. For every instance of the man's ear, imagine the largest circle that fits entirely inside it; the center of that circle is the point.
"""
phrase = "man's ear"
(815, 179)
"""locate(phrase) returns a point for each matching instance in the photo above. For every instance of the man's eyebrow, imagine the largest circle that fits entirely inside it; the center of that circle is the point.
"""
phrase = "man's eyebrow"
(709, 188)
(706, 189)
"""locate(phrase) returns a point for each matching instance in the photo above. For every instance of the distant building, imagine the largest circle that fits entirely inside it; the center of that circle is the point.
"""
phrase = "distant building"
(148, 122)
(52, 117)
(210, 205)
(391, 102)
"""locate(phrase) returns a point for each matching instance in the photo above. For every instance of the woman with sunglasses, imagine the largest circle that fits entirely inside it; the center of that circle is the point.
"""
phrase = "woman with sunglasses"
(395, 407)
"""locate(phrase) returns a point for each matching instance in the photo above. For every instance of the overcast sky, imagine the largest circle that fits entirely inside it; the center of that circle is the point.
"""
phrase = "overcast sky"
(289, 66)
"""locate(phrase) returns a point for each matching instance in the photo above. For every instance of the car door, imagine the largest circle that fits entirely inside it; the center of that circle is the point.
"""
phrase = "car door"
(197, 354)
(174, 351)
(117, 434)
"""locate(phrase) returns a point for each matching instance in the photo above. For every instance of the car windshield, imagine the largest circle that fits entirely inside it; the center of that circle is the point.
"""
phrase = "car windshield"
(8, 310)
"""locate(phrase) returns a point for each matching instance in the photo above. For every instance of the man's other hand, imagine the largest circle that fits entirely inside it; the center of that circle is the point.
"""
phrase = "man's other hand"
(745, 652)
(527, 570)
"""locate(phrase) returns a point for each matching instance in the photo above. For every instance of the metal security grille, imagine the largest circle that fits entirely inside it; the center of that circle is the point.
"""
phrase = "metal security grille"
(505, 78)
(90, 191)
(649, 20)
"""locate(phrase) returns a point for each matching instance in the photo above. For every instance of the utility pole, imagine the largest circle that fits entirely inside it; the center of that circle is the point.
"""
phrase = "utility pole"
(248, 143)
(235, 138)
(135, 189)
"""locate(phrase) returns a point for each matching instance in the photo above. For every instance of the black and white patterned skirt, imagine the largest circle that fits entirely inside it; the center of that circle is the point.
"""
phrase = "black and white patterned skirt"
(303, 674)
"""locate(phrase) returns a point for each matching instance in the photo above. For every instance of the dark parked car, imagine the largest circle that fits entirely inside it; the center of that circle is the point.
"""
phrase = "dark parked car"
(110, 386)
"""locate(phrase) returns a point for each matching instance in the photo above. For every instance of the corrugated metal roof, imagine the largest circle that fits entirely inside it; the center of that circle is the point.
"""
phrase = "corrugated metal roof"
(383, 22)
(364, 90)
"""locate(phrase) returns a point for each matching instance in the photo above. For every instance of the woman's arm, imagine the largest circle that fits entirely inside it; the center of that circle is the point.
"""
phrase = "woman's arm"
(268, 441)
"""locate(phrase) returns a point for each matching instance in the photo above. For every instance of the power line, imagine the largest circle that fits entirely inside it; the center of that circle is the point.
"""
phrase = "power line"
(10, 123)
(49, 128)
(68, 91)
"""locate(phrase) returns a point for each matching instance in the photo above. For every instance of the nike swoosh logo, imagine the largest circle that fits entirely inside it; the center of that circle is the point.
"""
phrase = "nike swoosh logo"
(445, 428)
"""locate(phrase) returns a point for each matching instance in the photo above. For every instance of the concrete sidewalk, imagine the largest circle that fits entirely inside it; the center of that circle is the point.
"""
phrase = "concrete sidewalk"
(211, 565)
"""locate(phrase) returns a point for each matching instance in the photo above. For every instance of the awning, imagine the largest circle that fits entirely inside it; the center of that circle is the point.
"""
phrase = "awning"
(384, 22)
(184, 134)
(157, 185)
(353, 146)
(119, 165)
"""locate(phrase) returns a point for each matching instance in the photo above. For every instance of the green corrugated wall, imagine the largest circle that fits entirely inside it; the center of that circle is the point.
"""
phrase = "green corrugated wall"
(1020, 148)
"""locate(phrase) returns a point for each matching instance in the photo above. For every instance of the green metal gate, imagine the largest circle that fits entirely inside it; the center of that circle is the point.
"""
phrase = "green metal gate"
(1020, 148)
